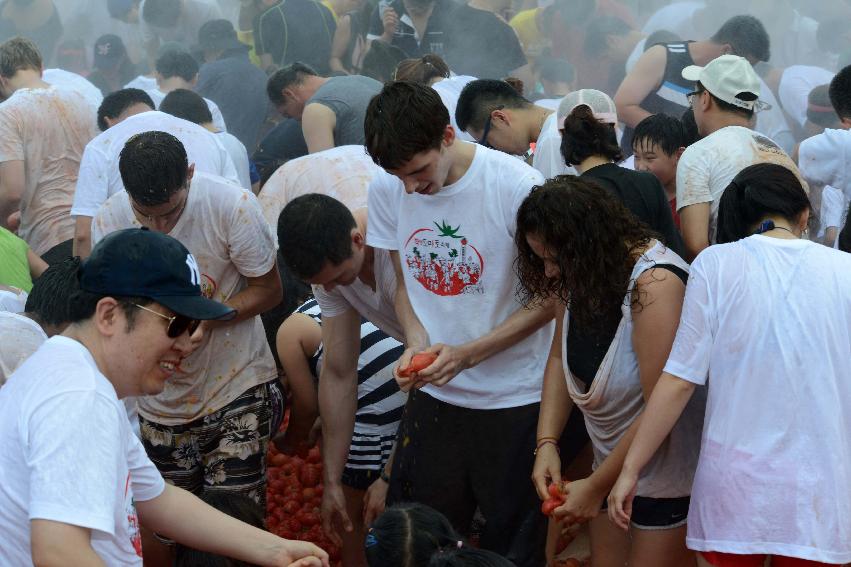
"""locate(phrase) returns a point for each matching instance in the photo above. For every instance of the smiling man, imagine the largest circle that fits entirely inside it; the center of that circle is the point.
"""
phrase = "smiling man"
(76, 481)
(209, 428)
(446, 211)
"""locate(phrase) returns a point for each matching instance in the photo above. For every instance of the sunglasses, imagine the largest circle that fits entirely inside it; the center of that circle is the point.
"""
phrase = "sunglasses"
(177, 325)
(487, 129)
(690, 96)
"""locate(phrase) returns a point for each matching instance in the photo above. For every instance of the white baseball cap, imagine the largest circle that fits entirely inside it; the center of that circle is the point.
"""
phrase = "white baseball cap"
(726, 77)
(602, 106)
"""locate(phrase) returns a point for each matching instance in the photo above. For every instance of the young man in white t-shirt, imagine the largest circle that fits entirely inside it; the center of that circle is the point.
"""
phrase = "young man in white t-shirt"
(725, 98)
(446, 211)
(122, 115)
(209, 428)
(497, 116)
(77, 484)
(43, 131)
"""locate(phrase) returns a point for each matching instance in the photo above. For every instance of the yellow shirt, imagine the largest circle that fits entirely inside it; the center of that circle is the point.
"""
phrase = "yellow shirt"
(533, 41)
(328, 5)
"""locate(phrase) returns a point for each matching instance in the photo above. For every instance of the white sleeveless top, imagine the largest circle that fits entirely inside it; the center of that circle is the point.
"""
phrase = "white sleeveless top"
(615, 399)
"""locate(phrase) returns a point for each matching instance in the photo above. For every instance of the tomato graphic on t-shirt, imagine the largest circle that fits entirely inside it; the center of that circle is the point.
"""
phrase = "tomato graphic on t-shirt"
(443, 260)
(132, 518)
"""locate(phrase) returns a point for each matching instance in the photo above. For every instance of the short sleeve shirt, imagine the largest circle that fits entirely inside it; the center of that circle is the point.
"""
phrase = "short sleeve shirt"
(435, 38)
(224, 229)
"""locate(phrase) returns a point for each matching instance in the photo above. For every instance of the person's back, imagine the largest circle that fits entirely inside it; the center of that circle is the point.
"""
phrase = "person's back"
(48, 129)
(481, 44)
(295, 30)
(348, 98)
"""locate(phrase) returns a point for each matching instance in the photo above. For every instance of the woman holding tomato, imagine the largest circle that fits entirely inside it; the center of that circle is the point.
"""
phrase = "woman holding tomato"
(620, 293)
(766, 325)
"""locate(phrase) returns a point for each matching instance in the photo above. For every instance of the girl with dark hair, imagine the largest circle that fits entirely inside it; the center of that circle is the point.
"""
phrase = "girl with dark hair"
(408, 535)
(766, 325)
(619, 293)
(465, 556)
(587, 120)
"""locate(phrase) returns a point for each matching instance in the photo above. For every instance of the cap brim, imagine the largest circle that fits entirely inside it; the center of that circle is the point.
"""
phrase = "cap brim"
(197, 307)
(692, 73)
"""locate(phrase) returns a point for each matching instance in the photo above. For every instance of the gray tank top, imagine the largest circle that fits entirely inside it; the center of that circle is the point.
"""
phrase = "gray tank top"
(348, 98)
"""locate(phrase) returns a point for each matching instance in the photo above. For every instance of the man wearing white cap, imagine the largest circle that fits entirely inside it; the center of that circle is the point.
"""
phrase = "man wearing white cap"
(724, 101)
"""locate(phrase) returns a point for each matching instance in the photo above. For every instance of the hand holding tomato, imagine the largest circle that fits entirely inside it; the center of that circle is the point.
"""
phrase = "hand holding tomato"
(555, 498)
(450, 360)
(406, 373)
(547, 469)
(582, 502)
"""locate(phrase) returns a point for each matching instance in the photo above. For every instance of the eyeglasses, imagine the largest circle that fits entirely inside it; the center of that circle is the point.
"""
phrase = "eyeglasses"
(177, 325)
(484, 139)
(690, 97)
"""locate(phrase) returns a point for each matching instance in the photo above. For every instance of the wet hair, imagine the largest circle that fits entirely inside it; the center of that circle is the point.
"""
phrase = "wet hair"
(49, 298)
(177, 63)
(758, 191)
(153, 167)
(690, 125)
(18, 54)
(594, 239)
(114, 104)
(161, 13)
(598, 31)
(403, 120)
(726, 106)
(820, 110)
(840, 93)
(466, 556)
(408, 535)
(663, 131)
(584, 136)
(422, 70)
(746, 36)
(313, 230)
(555, 70)
(381, 60)
(287, 77)
(188, 105)
(481, 97)
(660, 36)
(235, 505)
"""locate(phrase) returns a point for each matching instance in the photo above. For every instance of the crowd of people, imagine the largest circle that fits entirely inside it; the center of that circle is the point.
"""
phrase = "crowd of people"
(604, 244)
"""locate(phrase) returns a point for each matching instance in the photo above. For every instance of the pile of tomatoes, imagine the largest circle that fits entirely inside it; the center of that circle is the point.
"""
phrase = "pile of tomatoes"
(294, 496)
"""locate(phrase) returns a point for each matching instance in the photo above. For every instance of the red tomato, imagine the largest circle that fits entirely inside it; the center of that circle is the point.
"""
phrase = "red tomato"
(319, 490)
(310, 476)
(555, 491)
(314, 456)
(549, 505)
(419, 362)
(290, 507)
(308, 494)
(279, 460)
(288, 469)
(292, 525)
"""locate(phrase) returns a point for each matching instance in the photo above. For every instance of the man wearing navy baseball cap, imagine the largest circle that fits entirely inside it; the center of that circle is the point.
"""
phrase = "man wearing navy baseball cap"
(77, 483)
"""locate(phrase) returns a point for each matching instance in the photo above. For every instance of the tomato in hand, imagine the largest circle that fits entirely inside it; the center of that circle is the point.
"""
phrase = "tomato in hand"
(419, 362)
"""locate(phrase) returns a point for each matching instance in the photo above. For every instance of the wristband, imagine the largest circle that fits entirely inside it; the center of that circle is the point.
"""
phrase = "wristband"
(384, 476)
(550, 438)
(546, 442)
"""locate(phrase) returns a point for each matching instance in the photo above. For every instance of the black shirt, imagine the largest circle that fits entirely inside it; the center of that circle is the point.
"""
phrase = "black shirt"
(238, 87)
(642, 194)
(283, 142)
(296, 30)
(433, 41)
(482, 45)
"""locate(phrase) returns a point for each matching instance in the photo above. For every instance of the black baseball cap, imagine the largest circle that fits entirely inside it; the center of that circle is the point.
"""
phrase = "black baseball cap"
(137, 262)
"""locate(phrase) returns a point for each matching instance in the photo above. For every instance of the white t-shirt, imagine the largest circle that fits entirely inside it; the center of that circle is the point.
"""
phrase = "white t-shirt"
(772, 121)
(707, 166)
(223, 227)
(449, 90)
(834, 209)
(67, 454)
(47, 129)
(457, 252)
(75, 82)
(142, 82)
(13, 300)
(795, 85)
(343, 172)
(376, 305)
(218, 120)
(99, 177)
(548, 103)
(20, 336)
(547, 157)
(675, 17)
(238, 155)
(825, 159)
(766, 324)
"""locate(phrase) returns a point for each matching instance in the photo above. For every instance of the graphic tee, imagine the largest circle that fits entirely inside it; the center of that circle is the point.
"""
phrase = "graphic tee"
(68, 454)
(457, 254)
(223, 228)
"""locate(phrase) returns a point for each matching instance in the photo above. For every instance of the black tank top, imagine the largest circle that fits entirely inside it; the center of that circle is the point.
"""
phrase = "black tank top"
(670, 98)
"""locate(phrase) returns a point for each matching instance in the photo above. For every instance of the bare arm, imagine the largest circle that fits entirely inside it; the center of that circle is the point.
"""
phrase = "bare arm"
(644, 78)
(12, 184)
(340, 43)
(694, 222)
(183, 517)
(297, 339)
(58, 544)
(82, 237)
(317, 124)
(37, 265)
(416, 337)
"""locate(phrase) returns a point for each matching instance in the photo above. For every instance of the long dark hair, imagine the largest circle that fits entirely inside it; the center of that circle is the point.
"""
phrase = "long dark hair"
(594, 239)
(585, 136)
(466, 556)
(758, 191)
(407, 536)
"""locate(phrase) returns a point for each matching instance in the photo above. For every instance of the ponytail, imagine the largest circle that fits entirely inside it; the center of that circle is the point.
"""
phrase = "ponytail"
(758, 191)
(422, 70)
(585, 136)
